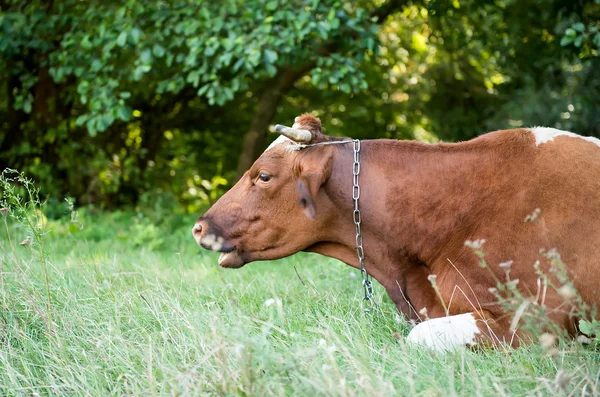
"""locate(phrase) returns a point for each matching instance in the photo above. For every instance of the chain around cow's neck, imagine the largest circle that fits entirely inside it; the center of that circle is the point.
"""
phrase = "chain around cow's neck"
(366, 278)
(367, 282)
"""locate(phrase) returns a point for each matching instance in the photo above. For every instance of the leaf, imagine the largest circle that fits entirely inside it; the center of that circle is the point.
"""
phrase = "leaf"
(271, 5)
(585, 327)
(254, 57)
(322, 29)
(158, 50)
(370, 43)
(317, 74)
(121, 40)
(238, 64)
(570, 32)
(105, 121)
(96, 65)
(27, 105)
(270, 56)
(146, 56)
(227, 44)
(86, 43)
(194, 78)
(135, 34)
(210, 50)
(124, 113)
(271, 70)
(566, 40)
(139, 71)
(225, 59)
(580, 27)
(203, 89)
(81, 120)
(335, 23)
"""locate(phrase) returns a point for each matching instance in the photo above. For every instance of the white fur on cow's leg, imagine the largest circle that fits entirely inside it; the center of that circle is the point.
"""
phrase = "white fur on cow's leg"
(446, 333)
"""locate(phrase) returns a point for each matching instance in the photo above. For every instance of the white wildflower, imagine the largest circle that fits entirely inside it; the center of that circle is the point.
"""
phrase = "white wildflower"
(270, 302)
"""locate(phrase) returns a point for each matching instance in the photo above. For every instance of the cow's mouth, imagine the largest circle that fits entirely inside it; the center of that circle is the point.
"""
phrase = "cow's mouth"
(230, 256)
(231, 259)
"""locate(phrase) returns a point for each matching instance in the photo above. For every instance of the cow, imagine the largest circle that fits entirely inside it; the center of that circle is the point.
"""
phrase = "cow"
(425, 212)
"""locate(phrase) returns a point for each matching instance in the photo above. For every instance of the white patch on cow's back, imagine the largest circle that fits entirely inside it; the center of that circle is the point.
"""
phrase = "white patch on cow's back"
(544, 134)
(445, 333)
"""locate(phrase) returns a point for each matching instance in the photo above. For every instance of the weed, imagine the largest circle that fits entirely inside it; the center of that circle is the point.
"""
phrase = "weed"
(20, 200)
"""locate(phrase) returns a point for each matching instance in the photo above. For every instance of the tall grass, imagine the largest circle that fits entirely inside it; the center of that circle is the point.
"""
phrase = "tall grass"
(129, 305)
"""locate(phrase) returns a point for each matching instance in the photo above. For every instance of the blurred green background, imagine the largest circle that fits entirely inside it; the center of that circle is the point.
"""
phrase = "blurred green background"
(165, 103)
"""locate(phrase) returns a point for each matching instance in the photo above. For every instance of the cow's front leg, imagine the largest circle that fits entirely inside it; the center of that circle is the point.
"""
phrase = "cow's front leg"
(462, 330)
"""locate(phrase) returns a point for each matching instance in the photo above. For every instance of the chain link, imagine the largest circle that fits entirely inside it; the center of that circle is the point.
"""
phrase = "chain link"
(360, 253)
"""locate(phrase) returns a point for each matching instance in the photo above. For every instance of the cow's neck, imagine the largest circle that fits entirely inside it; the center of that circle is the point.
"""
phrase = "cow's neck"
(414, 201)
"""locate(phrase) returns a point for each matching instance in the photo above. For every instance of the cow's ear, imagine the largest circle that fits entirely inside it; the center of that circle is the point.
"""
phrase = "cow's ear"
(315, 172)
(308, 187)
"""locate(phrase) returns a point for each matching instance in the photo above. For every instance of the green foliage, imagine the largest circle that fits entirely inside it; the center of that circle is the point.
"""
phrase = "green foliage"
(157, 48)
(585, 33)
(115, 83)
(589, 327)
(109, 102)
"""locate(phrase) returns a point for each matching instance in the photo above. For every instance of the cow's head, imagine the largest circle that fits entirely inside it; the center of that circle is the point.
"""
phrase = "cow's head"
(277, 208)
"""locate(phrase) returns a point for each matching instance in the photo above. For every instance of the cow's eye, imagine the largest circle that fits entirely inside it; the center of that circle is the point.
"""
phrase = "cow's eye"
(264, 177)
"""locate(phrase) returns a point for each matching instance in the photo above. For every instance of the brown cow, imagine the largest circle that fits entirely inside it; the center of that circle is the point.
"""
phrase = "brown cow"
(521, 190)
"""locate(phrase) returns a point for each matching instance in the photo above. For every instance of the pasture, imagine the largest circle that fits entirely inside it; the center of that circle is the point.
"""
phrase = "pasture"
(142, 113)
(126, 303)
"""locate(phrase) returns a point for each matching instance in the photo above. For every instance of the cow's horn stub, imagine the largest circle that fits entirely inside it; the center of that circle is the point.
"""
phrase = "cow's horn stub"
(301, 136)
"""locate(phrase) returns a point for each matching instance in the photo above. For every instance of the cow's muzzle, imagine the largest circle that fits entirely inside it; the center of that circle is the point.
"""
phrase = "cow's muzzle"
(230, 256)
(209, 237)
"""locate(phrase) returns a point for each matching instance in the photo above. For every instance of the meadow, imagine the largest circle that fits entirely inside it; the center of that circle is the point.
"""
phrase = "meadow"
(126, 303)
(142, 111)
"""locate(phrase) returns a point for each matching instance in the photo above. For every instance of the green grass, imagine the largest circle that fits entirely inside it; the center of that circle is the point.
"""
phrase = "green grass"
(137, 308)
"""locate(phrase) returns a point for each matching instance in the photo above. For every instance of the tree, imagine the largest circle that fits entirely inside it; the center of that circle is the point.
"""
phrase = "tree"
(125, 102)
(333, 59)
(94, 63)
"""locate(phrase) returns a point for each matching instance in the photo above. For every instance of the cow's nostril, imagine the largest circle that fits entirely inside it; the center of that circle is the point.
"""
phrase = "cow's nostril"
(197, 229)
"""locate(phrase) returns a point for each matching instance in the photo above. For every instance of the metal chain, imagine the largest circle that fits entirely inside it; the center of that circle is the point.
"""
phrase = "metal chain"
(367, 282)
(366, 278)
